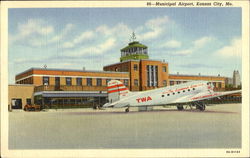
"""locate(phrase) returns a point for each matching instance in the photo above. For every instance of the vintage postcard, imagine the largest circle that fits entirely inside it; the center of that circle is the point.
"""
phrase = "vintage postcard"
(125, 79)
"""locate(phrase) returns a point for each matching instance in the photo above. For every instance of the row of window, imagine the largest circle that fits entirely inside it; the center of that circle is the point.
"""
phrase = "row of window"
(164, 68)
(79, 81)
(178, 92)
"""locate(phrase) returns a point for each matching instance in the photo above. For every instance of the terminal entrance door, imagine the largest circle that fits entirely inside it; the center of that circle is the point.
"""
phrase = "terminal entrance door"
(57, 83)
(16, 103)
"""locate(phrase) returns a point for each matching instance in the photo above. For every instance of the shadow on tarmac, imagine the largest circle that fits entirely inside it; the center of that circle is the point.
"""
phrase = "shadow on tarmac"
(152, 111)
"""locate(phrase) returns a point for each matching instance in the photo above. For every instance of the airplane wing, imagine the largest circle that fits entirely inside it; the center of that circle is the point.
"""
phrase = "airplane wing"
(203, 96)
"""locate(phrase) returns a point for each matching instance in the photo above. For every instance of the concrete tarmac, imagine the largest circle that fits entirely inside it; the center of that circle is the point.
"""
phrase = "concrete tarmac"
(217, 127)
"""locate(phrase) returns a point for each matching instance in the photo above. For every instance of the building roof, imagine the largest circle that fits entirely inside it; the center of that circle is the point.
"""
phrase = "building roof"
(195, 75)
(74, 70)
(133, 60)
(72, 94)
(134, 44)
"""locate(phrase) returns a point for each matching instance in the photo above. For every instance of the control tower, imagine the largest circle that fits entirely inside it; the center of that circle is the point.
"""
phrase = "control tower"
(134, 51)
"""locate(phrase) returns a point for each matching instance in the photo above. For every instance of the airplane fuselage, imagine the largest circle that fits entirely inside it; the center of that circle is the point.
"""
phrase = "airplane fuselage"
(163, 96)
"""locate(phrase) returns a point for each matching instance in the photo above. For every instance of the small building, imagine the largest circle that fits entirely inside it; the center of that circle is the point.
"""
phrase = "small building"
(236, 79)
(20, 95)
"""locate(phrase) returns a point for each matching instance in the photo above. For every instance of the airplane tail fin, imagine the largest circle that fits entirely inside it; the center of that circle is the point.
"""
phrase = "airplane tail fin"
(116, 90)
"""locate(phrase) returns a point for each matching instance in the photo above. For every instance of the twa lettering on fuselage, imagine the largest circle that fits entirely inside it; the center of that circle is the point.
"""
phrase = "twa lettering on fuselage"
(144, 99)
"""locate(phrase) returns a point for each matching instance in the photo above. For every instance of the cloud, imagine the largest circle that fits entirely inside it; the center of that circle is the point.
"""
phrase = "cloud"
(32, 26)
(63, 33)
(153, 28)
(45, 40)
(195, 45)
(202, 42)
(120, 30)
(171, 44)
(94, 49)
(37, 33)
(232, 50)
(82, 37)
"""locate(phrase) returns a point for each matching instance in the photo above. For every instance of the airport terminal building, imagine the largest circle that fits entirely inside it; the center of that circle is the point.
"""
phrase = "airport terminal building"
(62, 88)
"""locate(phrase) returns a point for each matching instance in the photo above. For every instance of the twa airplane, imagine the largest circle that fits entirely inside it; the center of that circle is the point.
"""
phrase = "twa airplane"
(190, 93)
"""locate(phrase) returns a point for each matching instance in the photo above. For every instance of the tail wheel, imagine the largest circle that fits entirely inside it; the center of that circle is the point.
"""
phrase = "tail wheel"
(127, 110)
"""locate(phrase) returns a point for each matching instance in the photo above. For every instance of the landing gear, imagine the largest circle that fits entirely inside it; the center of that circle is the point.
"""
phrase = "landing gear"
(201, 106)
(127, 110)
(180, 107)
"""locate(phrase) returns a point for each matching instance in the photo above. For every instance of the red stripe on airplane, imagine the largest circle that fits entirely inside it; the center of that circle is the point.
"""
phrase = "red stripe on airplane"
(119, 85)
(117, 90)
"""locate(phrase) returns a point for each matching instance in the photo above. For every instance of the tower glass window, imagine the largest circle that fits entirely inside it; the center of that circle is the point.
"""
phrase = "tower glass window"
(45, 80)
(68, 81)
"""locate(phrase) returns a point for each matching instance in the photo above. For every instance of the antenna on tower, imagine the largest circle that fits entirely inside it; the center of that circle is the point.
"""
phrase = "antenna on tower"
(133, 37)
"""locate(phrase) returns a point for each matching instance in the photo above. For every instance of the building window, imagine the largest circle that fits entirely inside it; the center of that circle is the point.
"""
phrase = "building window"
(152, 75)
(68, 81)
(178, 82)
(28, 101)
(107, 81)
(45, 80)
(164, 69)
(57, 81)
(135, 67)
(99, 82)
(116, 69)
(126, 82)
(78, 81)
(171, 83)
(89, 81)
(164, 83)
(214, 83)
(219, 86)
(136, 82)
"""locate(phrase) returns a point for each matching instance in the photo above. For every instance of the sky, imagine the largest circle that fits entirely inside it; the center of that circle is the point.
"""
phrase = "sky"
(191, 40)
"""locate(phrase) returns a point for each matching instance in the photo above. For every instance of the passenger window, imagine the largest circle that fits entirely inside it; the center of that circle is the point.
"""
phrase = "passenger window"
(168, 94)
(193, 88)
(188, 89)
(173, 93)
(183, 90)
(162, 96)
(179, 92)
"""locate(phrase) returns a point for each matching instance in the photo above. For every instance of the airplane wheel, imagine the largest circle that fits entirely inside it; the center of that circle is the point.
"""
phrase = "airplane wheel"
(201, 108)
(180, 107)
(127, 110)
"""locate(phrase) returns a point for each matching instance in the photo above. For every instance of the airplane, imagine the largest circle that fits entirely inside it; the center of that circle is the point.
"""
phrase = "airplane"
(190, 93)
